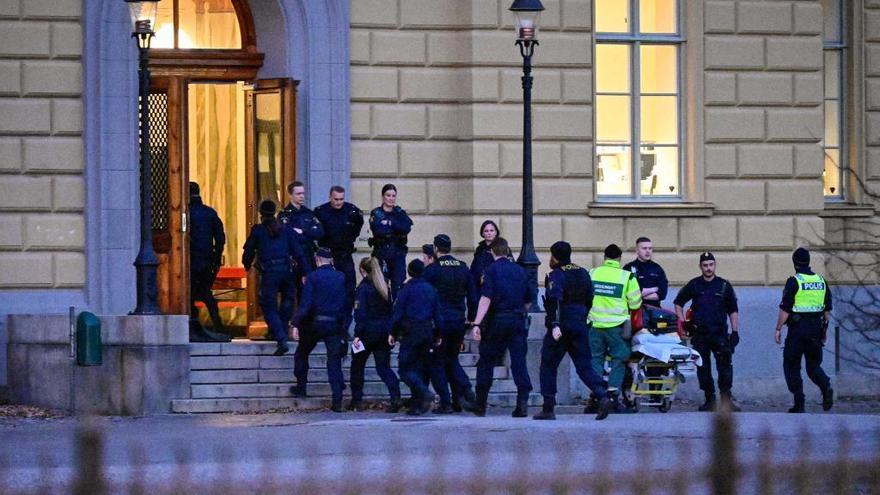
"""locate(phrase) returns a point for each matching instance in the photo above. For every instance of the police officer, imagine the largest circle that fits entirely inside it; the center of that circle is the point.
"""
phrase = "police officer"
(277, 253)
(372, 325)
(319, 315)
(649, 274)
(805, 308)
(414, 323)
(505, 299)
(713, 301)
(615, 294)
(483, 253)
(297, 216)
(458, 299)
(206, 241)
(390, 225)
(428, 255)
(342, 223)
(569, 297)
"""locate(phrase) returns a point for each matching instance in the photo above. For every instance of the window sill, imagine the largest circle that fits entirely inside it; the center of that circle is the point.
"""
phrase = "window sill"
(846, 210)
(603, 209)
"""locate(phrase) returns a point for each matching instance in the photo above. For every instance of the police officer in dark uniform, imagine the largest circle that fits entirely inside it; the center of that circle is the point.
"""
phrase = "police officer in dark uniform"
(277, 254)
(805, 308)
(390, 225)
(505, 299)
(713, 302)
(650, 275)
(206, 241)
(342, 223)
(428, 255)
(297, 216)
(458, 299)
(568, 299)
(372, 326)
(414, 323)
(319, 319)
(489, 231)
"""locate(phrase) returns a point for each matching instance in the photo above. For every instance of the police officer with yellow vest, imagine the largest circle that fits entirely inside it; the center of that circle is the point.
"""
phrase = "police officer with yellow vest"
(615, 293)
(805, 308)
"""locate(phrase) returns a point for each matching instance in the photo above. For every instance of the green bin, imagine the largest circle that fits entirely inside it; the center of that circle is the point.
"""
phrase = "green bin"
(88, 340)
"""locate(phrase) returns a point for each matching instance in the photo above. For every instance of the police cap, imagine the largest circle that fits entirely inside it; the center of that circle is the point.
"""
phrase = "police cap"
(707, 256)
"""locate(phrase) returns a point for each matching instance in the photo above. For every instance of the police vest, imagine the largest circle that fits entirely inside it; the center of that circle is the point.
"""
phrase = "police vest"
(810, 297)
(611, 292)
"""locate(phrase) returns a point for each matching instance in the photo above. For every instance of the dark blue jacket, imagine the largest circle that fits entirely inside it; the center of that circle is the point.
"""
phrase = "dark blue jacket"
(206, 237)
(712, 302)
(390, 228)
(482, 259)
(455, 286)
(417, 305)
(322, 295)
(568, 296)
(372, 313)
(341, 227)
(506, 284)
(273, 254)
(303, 219)
(649, 274)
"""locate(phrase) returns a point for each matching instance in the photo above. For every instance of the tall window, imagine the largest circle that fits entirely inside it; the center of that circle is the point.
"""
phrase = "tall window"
(638, 98)
(833, 143)
(197, 24)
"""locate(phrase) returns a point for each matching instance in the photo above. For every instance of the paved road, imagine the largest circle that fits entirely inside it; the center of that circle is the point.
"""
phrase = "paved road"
(326, 445)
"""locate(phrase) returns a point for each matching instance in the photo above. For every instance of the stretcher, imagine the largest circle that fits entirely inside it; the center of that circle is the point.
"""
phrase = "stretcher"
(660, 361)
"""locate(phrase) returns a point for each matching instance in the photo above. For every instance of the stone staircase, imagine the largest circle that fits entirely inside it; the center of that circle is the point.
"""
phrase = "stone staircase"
(244, 376)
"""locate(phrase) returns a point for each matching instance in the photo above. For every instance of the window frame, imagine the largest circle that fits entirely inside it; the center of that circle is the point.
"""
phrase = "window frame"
(635, 39)
(840, 47)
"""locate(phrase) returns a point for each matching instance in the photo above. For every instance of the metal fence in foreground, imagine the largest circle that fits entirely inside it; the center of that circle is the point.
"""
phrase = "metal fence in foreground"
(717, 466)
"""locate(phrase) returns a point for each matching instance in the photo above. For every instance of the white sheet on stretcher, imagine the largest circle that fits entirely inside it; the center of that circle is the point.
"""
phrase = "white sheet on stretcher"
(662, 347)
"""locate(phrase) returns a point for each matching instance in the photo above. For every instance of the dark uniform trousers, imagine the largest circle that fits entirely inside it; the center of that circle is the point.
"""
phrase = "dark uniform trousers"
(505, 332)
(273, 283)
(416, 346)
(377, 345)
(575, 341)
(446, 355)
(804, 340)
(394, 259)
(345, 264)
(715, 343)
(325, 329)
(201, 281)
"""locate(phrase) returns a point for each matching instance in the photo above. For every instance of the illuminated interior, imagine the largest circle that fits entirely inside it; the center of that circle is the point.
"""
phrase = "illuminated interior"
(835, 160)
(637, 131)
(205, 24)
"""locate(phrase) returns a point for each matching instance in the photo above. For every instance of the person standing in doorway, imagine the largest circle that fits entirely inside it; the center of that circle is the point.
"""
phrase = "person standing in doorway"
(206, 242)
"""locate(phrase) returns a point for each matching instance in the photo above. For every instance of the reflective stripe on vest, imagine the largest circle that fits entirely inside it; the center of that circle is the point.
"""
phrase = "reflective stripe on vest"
(609, 302)
(810, 297)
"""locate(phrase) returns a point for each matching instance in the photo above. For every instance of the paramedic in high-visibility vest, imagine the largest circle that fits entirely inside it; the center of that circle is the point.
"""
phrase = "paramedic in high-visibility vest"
(616, 292)
(805, 309)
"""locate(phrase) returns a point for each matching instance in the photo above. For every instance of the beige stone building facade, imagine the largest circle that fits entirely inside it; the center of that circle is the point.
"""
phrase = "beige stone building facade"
(743, 110)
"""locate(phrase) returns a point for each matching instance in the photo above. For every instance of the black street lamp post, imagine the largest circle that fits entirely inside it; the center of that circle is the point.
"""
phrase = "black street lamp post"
(143, 17)
(527, 13)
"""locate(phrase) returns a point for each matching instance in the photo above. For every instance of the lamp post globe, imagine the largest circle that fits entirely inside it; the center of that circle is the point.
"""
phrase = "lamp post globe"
(143, 18)
(527, 14)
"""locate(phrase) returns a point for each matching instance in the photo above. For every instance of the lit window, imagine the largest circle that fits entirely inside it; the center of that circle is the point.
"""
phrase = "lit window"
(637, 84)
(833, 143)
(188, 24)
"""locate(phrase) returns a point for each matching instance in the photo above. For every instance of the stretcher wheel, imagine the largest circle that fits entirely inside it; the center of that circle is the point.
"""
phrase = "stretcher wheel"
(665, 406)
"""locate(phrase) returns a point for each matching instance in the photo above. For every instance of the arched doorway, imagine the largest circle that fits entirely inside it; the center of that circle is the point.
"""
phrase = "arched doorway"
(215, 123)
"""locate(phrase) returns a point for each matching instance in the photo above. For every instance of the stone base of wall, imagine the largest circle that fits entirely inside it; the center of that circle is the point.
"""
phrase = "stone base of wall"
(145, 364)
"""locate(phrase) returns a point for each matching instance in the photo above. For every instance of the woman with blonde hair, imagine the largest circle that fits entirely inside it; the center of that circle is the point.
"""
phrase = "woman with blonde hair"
(372, 318)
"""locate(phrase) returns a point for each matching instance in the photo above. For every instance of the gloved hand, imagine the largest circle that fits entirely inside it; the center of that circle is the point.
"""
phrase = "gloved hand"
(733, 338)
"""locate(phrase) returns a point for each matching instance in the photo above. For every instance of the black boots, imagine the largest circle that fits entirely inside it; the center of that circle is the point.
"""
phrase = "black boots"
(336, 406)
(466, 401)
(605, 406)
(727, 402)
(298, 391)
(522, 406)
(480, 401)
(356, 406)
(710, 404)
(827, 399)
(395, 406)
(547, 409)
(798, 406)
(443, 409)
(592, 405)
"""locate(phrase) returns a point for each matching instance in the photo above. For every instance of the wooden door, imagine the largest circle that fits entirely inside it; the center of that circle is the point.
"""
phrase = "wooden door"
(270, 157)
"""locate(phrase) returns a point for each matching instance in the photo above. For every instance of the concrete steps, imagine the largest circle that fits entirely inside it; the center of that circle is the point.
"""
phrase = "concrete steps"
(244, 376)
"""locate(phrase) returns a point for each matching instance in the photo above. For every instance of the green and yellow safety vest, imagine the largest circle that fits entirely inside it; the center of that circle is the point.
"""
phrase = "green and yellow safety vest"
(615, 293)
(810, 297)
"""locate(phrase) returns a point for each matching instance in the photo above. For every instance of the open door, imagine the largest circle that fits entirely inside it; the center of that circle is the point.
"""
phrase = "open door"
(270, 157)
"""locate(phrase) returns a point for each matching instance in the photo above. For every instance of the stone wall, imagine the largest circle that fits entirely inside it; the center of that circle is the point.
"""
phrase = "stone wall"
(41, 151)
(436, 109)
